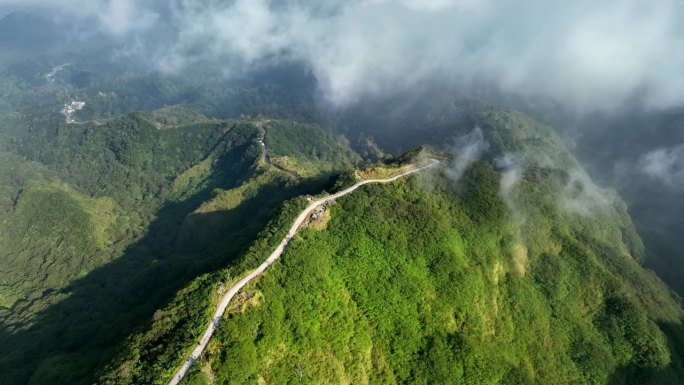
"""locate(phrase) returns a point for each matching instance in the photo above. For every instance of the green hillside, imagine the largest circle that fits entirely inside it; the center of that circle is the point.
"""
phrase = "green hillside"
(408, 287)
(121, 230)
(522, 271)
(103, 222)
(50, 234)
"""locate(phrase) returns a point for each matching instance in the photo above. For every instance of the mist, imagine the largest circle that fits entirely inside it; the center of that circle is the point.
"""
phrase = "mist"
(467, 149)
(582, 54)
(580, 58)
(664, 166)
(607, 75)
(512, 171)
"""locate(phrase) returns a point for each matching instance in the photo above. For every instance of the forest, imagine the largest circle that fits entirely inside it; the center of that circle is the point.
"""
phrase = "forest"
(119, 232)
(428, 281)
(122, 214)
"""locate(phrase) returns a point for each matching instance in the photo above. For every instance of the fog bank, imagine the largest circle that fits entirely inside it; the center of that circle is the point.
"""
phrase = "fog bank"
(583, 54)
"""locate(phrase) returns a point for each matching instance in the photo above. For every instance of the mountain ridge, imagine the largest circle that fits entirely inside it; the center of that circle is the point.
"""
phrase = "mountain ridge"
(189, 201)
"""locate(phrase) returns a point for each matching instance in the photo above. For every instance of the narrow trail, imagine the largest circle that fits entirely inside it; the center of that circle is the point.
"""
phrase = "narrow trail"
(228, 295)
(266, 156)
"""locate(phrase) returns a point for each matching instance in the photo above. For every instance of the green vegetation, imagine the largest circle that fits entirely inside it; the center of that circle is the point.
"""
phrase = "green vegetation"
(116, 216)
(118, 233)
(186, 317)
(53, 236)
(88, 191)
(410, 286)
(428, 280)
(307, 147)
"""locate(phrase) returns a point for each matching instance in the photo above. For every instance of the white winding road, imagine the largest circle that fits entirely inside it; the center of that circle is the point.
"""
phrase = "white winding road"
(225, 300)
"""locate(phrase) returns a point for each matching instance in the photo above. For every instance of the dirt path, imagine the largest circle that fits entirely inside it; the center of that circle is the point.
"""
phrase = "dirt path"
(228, 295)
(264, 149)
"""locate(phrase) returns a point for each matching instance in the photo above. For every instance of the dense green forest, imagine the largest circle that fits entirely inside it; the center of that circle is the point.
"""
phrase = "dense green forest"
(116, 216)
(119, 232)
(510, 274)
(415, 284)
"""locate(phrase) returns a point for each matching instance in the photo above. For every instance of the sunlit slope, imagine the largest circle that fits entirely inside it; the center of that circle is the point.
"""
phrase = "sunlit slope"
(103, 221)
(49, 233)
(515, 268)
(424, 282)
(77, 196)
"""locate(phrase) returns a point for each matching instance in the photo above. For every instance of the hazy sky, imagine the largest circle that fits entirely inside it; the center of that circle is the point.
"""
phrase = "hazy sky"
(584, 54)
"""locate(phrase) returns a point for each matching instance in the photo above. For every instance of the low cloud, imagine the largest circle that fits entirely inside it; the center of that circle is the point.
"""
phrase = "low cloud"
(512, 171)
(664, 165)
(581, 196)
(584, 54)
(578, 194)
(115, 17)
(468, 149)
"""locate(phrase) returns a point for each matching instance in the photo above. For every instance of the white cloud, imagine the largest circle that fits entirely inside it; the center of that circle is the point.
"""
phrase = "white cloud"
(665, 165)
(468, 149)
(116, 17)
(584, 54)
(512, 171)
(581, 196)
(121, 16)
(578, 195)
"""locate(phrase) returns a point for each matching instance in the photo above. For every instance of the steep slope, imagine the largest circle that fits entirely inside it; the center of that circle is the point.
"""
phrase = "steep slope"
(514, 268)
(107, 220)
(417, 283)
(654, 200)
(507, 266)
(86, 192)
(49, 232)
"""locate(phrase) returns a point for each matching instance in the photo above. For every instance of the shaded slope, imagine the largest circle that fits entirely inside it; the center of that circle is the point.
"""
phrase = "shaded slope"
(159, 178)
(51, 234)
(303, 218)
(408, 285)
(522, 271)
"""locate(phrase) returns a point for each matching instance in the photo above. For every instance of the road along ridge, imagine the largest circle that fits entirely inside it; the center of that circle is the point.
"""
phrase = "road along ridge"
(228, 295)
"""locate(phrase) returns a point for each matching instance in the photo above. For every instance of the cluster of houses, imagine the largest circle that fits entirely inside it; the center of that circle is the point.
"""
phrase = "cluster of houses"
(70, 108)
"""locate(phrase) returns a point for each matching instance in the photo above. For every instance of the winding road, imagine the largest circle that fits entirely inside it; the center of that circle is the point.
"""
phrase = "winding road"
(225, 300)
